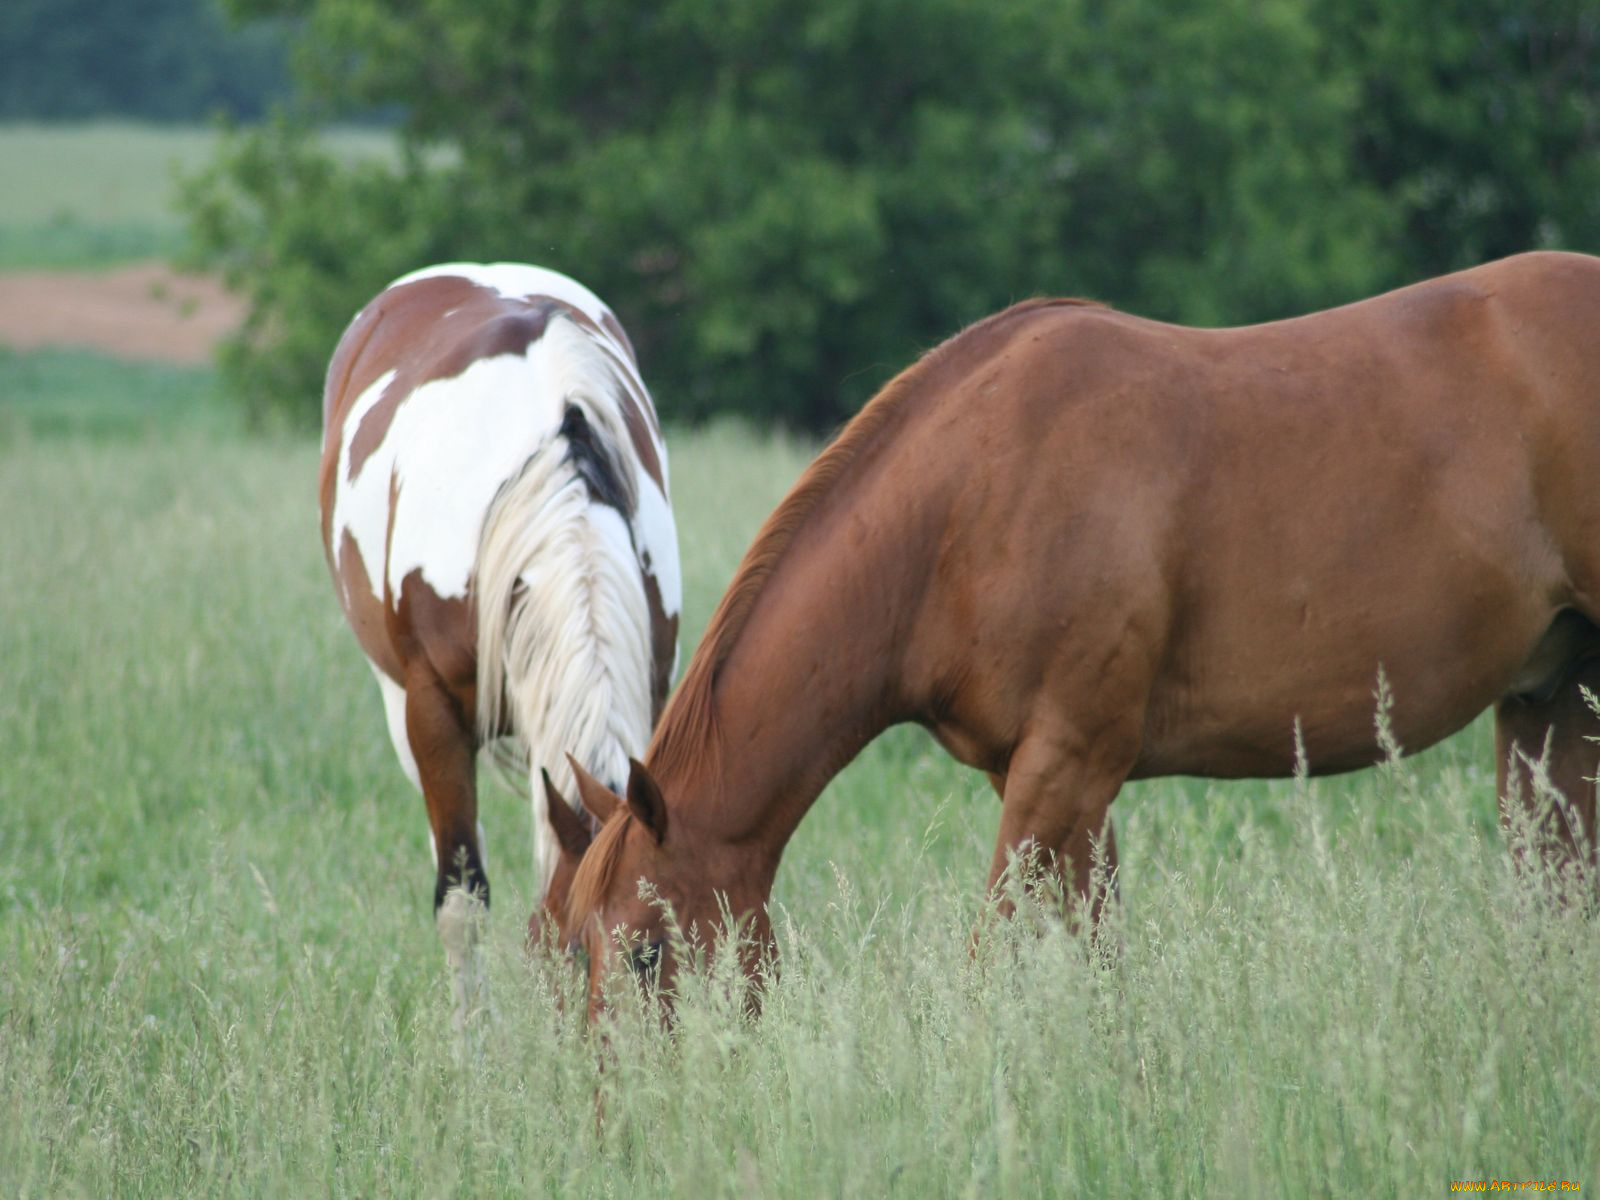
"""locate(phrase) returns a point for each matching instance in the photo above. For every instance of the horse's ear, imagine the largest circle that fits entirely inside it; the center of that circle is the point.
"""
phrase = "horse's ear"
(571, 833)
(600, 800)
(644, 798)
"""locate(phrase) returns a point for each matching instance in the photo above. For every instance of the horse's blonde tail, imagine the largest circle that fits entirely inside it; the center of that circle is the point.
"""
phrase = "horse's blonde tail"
(563, 622)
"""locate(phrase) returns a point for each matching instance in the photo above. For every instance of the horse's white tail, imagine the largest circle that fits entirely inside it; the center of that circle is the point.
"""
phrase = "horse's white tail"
(563, 624)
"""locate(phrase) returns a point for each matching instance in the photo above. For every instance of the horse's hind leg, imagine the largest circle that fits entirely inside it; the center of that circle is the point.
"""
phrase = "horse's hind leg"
(444, 747)
(1556, 732)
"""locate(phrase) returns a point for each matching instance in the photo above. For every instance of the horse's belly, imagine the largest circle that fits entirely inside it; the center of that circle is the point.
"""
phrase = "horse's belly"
(1246, 707)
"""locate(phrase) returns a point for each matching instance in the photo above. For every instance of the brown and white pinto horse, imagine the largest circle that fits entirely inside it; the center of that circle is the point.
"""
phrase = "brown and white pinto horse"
(1081, 547)
(495, 515)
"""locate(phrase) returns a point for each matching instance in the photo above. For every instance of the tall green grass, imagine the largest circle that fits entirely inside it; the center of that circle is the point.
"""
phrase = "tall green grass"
(71, 393)
(220, 975)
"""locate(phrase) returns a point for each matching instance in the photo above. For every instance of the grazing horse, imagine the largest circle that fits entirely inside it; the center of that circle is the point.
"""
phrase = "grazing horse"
(1081, 547)
(495, 516)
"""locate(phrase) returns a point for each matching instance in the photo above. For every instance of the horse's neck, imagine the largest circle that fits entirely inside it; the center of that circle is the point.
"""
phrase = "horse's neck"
(815, 674)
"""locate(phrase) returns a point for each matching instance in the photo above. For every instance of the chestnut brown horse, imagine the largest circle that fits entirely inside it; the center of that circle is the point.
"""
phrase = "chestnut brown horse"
(1081, 547)
(495, 515)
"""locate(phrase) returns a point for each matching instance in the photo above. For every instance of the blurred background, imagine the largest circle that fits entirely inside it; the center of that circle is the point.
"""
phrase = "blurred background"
(785, 202)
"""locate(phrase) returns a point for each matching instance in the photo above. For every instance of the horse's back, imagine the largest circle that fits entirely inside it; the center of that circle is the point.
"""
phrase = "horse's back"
(1256, 518)
(434, 323)
(1491, 374)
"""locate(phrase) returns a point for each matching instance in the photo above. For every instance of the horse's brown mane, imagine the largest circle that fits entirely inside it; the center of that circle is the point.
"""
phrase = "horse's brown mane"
(599, 865)
(689, 720)
(690, 715)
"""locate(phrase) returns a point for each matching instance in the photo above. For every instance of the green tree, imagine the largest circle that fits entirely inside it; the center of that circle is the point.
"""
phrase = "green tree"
(157, 59)
(1479, 121)
(786, 201)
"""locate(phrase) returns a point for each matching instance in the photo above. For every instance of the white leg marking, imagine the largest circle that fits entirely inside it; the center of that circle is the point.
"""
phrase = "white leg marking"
(460, 923)
(394, 708)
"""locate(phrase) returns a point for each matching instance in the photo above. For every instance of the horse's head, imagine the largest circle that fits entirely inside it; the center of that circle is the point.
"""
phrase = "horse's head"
(639, 893)
(574, 832)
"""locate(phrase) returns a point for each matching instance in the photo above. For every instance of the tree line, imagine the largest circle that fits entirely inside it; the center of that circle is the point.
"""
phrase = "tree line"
(159, 60)
(787, 200)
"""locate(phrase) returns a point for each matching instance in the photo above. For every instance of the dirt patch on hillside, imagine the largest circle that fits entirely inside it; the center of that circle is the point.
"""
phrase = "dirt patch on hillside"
(145, 311)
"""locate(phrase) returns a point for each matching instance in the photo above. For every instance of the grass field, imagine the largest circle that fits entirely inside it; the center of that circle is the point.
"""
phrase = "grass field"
(56, 393)
(88, 195)
(220, 975)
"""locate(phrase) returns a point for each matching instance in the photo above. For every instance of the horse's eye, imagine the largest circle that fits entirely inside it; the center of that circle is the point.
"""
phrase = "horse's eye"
(644, 961)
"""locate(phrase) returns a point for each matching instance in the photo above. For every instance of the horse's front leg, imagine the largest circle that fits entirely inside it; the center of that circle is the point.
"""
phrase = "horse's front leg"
(442, 740)
(1055, 816)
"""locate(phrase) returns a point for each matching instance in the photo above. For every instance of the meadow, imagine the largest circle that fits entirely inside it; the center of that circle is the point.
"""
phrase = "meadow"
(93, 193)
(220, 975)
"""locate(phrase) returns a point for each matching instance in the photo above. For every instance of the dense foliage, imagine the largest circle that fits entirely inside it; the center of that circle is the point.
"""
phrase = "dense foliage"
(785, 201)
(162, 60)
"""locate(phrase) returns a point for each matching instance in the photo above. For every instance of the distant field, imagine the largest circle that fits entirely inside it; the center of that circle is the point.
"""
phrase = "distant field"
(67, 393)
(78, 200)
(90, 194)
